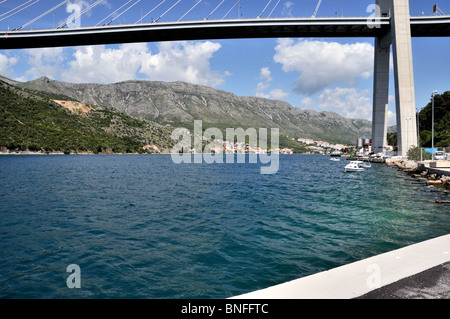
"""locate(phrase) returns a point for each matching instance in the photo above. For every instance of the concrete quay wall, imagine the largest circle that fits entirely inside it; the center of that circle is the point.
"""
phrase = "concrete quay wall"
(375, 276)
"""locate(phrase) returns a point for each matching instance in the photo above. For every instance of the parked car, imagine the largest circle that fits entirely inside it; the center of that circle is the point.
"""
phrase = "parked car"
(439, 155)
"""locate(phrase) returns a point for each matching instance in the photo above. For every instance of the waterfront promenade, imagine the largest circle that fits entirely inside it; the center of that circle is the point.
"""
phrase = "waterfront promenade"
(419, 271)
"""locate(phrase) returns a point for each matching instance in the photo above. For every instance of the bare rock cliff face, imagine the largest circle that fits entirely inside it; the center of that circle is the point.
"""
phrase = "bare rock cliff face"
(179, 102)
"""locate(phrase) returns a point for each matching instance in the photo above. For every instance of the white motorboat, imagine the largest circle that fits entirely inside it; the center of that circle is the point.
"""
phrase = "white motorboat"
(354, 166)
(335, 159)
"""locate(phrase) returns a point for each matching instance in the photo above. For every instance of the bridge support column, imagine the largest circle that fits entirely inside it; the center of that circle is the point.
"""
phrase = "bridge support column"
(404, 79)
(380, 97)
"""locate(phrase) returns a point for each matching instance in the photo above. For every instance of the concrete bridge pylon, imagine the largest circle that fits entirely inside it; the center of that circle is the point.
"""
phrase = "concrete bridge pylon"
(399, 37)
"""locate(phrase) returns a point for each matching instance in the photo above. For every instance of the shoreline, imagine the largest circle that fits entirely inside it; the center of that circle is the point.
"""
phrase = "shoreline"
(161, 153)
(81, 153)
(429, 173)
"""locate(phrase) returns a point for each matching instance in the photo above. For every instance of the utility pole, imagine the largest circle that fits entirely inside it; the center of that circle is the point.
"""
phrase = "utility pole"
(418, 134)
(418, 128)
(432, 124)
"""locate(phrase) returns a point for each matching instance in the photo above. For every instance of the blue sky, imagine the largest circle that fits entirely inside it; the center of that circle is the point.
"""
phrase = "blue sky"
(311, 73)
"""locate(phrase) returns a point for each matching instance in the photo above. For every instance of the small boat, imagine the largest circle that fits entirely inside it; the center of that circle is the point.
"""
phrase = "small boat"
(335, 159)
(366, 165)
(354, 166)
(336, 153)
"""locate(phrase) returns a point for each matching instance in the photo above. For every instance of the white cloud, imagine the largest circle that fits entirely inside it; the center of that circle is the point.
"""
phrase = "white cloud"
(261, 87)
(184, 61)
(287, 8)
(44, 62)
(106, 65)
(266, 76)
(392, 118)
(6, 64)
(175, 61)
(348, 102)
(278, 94)
(262, 94)
(307, 103)
(323, 63)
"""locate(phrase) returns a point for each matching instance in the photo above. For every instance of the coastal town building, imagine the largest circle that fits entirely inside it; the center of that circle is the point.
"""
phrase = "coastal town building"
(323, 144)
(321, 147)
(316, 149)
(226, 147)
(307, 141)
(287, 151)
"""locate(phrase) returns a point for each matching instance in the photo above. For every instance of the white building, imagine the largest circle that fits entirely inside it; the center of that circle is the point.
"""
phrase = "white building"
(307, 141)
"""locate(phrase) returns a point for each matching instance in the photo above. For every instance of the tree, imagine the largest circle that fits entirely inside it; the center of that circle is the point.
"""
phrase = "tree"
(414, 154)
(441, 121)
(392, 140)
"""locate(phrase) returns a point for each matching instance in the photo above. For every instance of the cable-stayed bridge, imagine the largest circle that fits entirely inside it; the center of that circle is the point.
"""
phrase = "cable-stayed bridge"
(390, 26)
(262, 25)
(223, 29)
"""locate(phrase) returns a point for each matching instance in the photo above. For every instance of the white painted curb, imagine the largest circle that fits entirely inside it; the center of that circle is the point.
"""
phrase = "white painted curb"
(358, 278)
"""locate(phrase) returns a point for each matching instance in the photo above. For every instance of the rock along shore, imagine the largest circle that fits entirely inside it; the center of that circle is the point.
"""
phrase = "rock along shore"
(436, 173)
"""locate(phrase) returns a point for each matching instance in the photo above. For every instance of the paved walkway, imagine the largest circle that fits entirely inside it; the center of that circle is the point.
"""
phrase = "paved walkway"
(433, 283)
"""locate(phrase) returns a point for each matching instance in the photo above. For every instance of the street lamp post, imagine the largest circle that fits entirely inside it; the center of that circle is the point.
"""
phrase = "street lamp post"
(432, 124)
(418, 132)
(418, 126)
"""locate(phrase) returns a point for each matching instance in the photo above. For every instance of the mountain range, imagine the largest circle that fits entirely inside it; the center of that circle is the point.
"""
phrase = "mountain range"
(178, 104)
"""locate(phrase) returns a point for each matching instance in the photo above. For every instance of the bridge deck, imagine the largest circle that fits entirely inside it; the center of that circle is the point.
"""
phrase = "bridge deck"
(435, 26)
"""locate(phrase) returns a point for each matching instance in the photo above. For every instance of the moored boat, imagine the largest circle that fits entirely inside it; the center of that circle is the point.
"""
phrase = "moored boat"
(336, 153)
(354, 166)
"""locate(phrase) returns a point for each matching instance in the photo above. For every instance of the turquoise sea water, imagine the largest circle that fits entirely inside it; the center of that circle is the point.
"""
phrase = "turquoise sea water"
(144, 227)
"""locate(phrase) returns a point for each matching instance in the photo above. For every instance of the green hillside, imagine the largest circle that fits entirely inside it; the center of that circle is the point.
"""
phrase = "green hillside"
(34, 122)
(441, 122)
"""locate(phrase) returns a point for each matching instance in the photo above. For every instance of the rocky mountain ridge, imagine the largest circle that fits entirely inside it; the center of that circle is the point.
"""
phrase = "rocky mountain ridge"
(180, 103)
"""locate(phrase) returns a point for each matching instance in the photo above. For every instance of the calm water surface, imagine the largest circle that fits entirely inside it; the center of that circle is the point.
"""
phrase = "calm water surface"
(144, 227)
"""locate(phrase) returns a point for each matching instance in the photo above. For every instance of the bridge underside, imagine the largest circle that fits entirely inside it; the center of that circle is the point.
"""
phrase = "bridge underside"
(207, 30)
